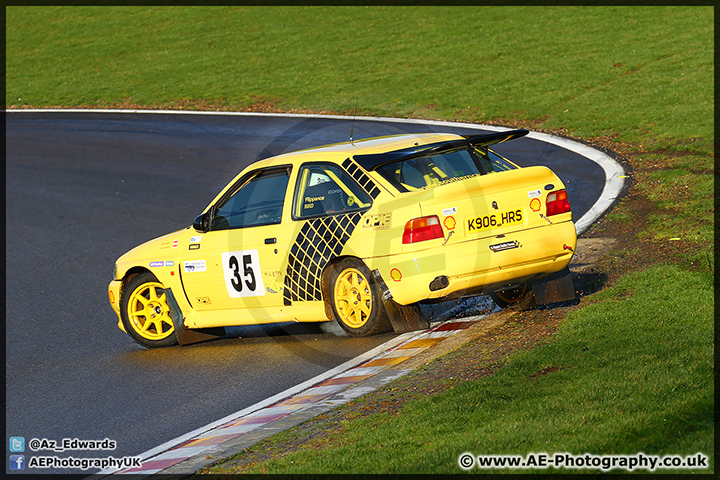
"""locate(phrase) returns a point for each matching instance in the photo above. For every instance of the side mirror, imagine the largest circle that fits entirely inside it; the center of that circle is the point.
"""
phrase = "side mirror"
(202, 222)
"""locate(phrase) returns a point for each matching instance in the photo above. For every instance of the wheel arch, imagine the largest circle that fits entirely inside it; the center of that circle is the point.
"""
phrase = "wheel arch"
(132, 273)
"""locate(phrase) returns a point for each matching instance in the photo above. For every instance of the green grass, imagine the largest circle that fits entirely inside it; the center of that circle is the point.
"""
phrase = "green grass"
(636, 80)
(474, 63)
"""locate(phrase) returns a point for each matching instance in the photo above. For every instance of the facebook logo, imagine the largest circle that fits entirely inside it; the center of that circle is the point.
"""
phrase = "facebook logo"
(17, 444)
(17, 462)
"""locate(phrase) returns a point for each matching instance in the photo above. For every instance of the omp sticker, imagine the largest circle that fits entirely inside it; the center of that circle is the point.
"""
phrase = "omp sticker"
(193, 266)
(243, 275)
(534, 193)
(195, 239)
(449, 211)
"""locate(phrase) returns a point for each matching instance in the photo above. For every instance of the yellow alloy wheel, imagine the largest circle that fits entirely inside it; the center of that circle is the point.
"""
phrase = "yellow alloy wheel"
(145, 313)
(353, 299)
(149, 313)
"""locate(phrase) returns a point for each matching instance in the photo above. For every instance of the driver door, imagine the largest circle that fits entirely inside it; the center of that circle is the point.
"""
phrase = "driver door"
(239, 262)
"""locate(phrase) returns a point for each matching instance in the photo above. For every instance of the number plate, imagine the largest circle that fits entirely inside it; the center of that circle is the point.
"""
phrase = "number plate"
(494, 220)
(243, 276)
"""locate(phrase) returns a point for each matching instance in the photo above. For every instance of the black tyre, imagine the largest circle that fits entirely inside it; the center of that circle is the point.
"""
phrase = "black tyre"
(519, 298)
(145, 312)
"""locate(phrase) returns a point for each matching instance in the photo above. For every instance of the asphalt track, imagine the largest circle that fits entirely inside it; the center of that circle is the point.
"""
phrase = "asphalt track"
(83, 188)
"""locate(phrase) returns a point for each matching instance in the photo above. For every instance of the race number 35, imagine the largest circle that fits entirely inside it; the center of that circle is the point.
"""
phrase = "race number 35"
(243, 277)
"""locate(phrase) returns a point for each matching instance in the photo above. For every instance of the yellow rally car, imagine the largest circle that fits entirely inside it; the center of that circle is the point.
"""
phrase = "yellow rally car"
(360, 232)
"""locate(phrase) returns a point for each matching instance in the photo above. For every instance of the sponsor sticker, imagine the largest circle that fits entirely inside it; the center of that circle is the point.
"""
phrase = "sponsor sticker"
(193, 266)
(175, 243)
(449, 211)
(449, 223)
(534, 193)
(378, 222)
(196, 239)
(535, 205)
(395, 274)
(167, 263)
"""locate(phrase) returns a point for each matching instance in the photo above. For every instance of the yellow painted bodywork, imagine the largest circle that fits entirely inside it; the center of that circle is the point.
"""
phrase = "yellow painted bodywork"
(193, 263)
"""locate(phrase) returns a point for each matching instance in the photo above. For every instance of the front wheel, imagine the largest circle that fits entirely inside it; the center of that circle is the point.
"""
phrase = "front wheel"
(356, 301)
(145, 312)
(518, 298)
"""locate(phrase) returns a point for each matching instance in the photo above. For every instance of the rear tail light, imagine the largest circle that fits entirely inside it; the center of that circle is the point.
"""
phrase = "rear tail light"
(556, 203)
(421, 229)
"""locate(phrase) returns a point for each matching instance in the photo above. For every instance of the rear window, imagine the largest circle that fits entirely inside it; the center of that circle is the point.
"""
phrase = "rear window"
(434, 170)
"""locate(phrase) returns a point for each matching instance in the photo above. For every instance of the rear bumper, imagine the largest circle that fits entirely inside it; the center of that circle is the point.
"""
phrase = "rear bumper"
(473, 267)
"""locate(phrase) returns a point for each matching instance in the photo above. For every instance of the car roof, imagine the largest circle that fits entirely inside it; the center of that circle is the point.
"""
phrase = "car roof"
(371, 153)
(343, 150)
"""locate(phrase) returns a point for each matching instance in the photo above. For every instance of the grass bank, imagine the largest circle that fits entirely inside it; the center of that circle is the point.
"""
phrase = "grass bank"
(634, 362)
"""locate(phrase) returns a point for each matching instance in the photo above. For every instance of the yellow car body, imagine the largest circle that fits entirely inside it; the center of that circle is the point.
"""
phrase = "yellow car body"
(295, 237)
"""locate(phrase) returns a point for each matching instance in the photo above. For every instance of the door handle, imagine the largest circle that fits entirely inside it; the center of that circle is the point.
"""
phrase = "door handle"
(270, 241)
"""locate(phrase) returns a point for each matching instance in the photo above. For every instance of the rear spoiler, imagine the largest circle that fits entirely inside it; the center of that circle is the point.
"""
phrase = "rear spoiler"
(373, 161)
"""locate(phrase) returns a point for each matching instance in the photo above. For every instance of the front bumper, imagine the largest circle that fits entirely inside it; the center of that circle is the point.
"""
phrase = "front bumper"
(114, 291)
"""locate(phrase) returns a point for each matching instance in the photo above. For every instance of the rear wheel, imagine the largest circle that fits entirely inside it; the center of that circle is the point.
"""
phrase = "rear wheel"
(519, 298)
(356, 301)
(145, 312)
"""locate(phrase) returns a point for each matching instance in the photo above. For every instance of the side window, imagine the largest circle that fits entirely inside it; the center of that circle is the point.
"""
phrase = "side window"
(492, 161)
(257, 201)
(326, 189)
